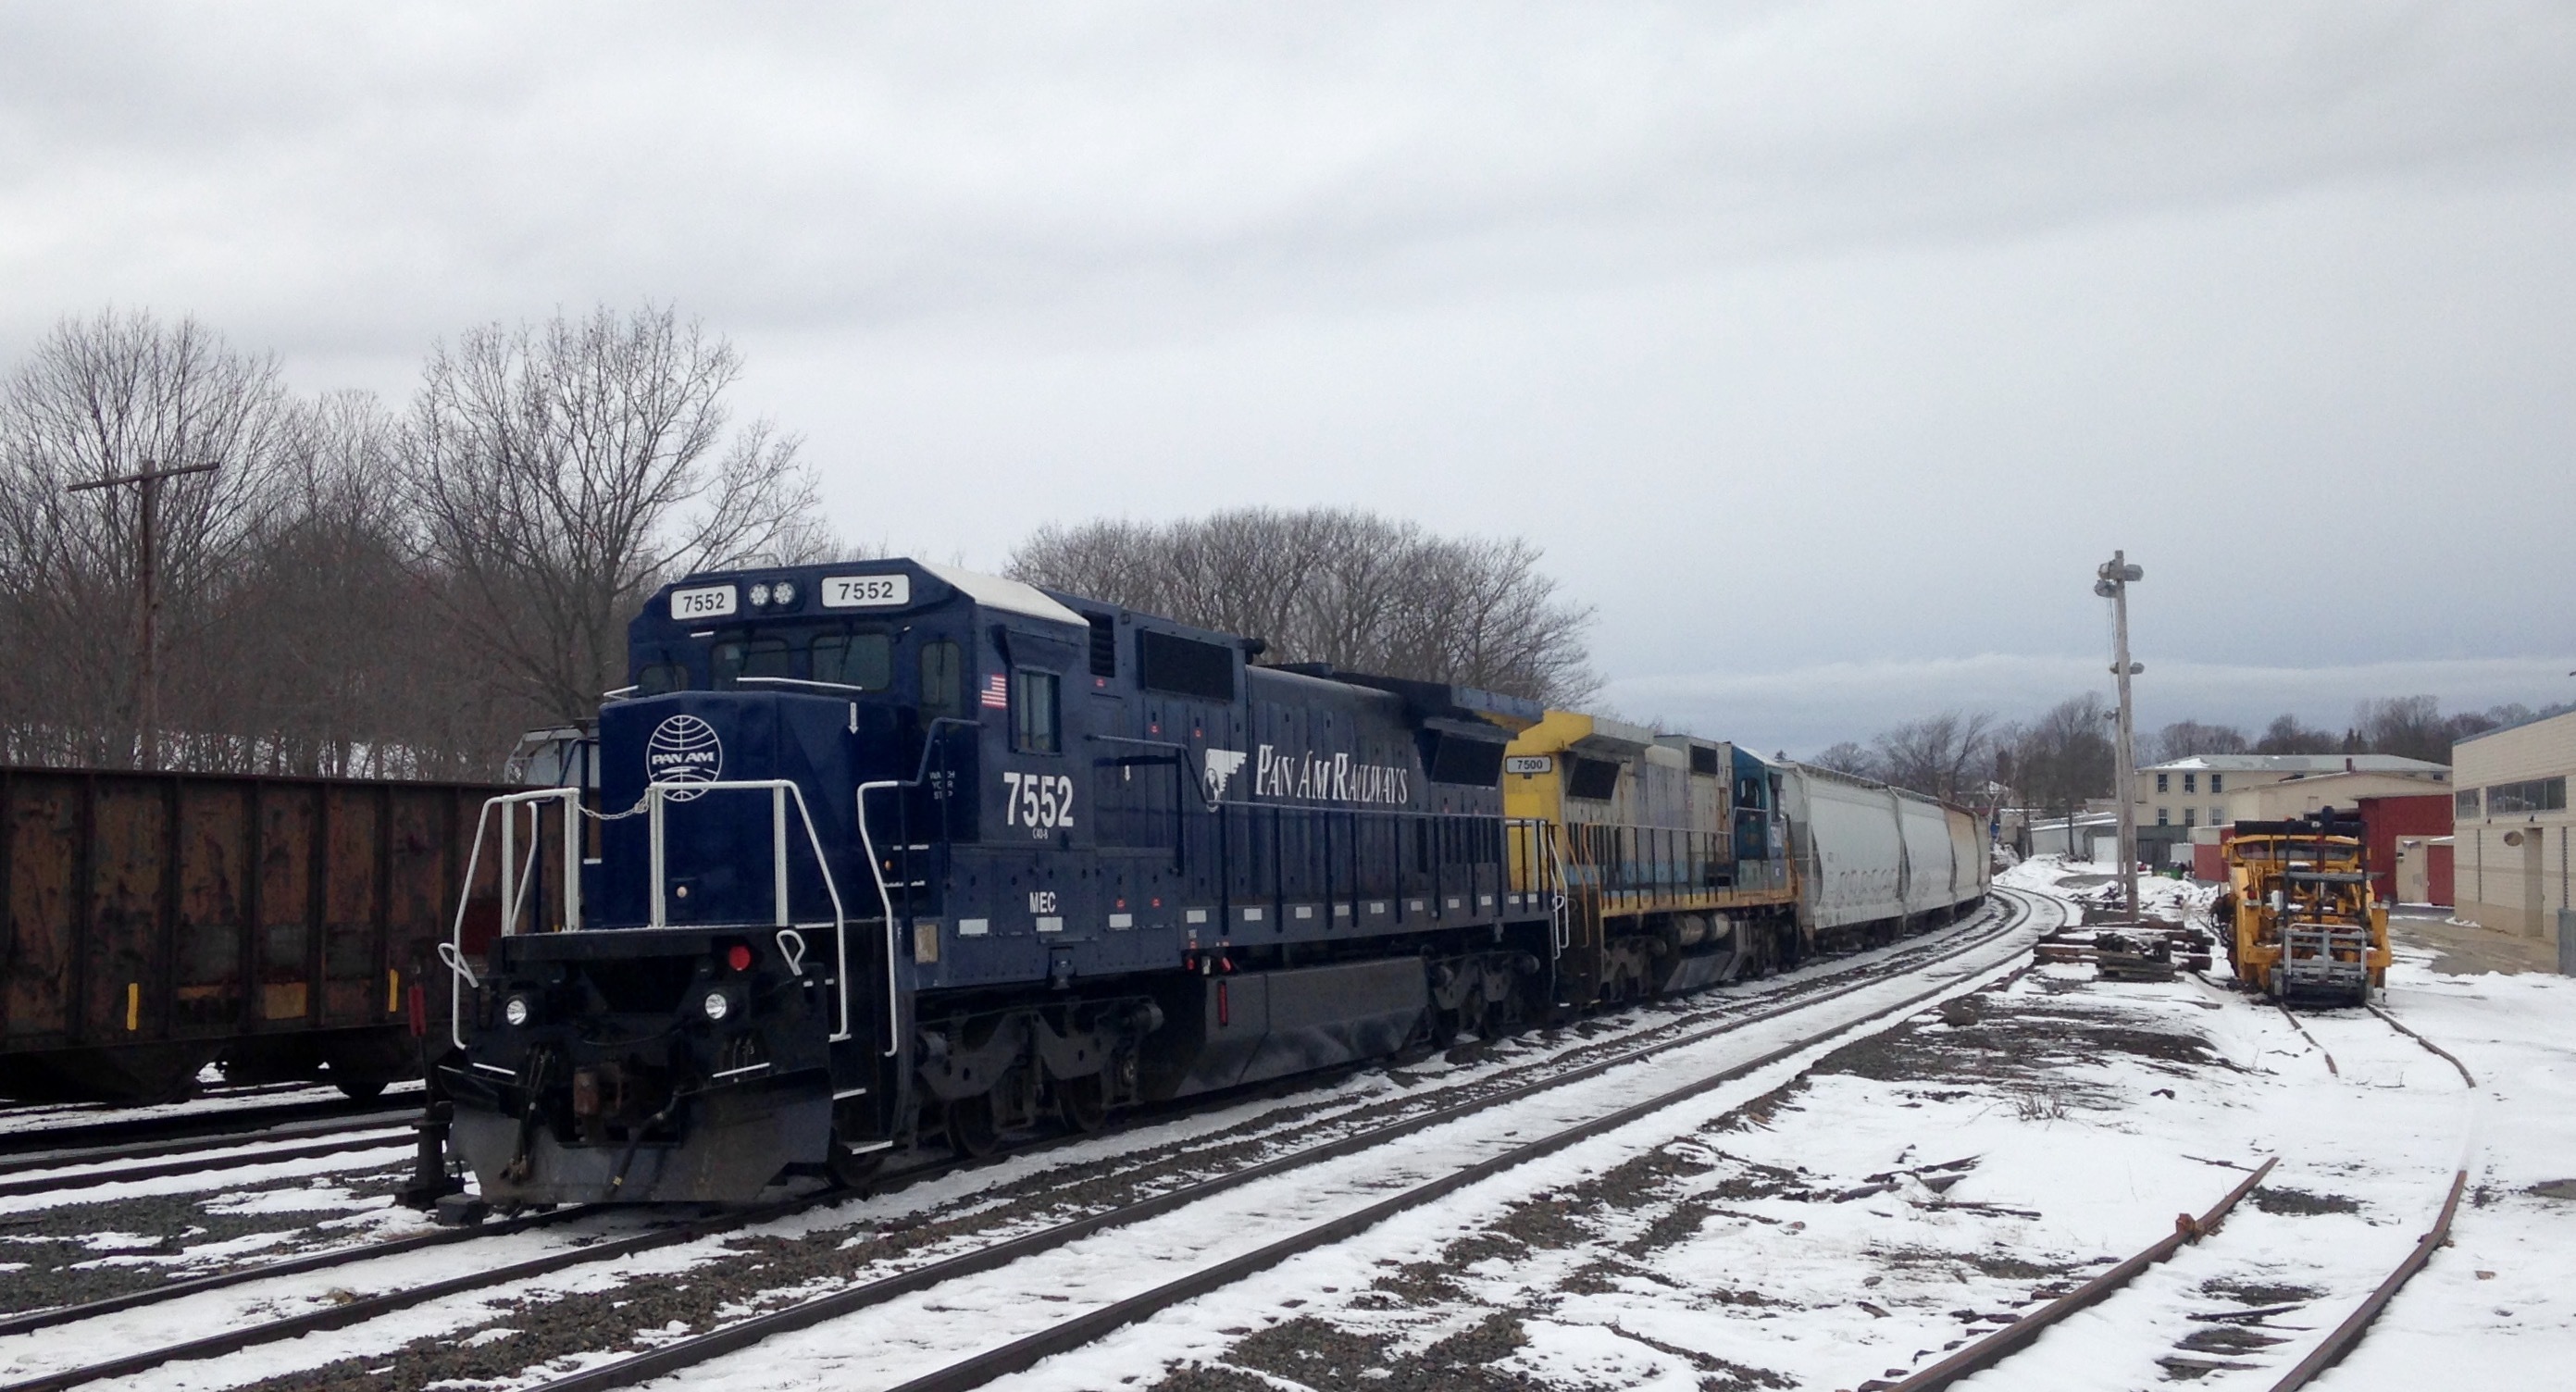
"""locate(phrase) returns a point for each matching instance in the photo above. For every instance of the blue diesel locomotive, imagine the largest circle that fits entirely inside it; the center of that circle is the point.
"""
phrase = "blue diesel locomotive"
(894, 851)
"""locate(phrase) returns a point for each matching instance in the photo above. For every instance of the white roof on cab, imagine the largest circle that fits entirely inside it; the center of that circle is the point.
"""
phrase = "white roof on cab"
(994, 592)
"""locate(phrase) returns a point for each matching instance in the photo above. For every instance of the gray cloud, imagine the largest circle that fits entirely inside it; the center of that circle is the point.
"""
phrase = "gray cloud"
(1804, 709)
(1802, 335)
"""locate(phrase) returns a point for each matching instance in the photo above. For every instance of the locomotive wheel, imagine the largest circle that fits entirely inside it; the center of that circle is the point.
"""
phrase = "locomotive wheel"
(1444, 1027)
(1083, 1103)
(971, 1132)
(360, 1087)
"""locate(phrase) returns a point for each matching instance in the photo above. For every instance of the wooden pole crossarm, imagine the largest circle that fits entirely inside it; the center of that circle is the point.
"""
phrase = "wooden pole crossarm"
(148, 475)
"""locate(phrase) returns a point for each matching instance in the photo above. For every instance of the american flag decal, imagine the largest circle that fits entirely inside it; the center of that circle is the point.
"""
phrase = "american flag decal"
(997, 693)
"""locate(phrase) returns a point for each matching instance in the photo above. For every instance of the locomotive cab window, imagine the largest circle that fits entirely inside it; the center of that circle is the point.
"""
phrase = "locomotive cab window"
(863, 660)
(943, 687)
(1034, 727)
(735, 659)
(659, 677)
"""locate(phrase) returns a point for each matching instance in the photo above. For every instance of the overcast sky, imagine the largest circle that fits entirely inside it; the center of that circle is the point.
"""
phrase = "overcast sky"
(1826, 347)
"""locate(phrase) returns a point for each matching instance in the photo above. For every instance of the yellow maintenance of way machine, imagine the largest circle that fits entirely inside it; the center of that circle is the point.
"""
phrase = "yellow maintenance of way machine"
(2300, 921)
(1669, 851)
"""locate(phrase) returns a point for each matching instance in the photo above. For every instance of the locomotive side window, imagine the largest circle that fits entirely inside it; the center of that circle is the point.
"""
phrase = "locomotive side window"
(863, 660)
(943, 689)
(1033, 711)
(758, 657)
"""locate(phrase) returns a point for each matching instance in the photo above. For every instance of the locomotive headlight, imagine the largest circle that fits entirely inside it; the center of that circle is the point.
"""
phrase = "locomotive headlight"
(759, 595)
(784, 592)
(515, 1010)
(717, 1007)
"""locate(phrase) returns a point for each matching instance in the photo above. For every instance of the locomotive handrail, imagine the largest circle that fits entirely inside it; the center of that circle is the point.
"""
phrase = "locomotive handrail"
(459, 973)
(780, 790)
(885, 898)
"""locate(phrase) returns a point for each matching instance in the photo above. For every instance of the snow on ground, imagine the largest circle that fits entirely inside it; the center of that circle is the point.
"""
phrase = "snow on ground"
(1754, 1250)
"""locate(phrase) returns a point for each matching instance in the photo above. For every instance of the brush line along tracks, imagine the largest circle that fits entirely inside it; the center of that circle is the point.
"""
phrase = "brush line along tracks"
(686, 1352)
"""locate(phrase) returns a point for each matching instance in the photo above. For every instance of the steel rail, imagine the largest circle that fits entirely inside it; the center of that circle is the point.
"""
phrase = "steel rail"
(62, 1157)
(2012, 1338)
(2338, 1343)
(196, 1164)
(201, 1123)
(2296, 1024)
(291, 1266)
(2453, 1059)
(1025, 1352)
(366, 1308)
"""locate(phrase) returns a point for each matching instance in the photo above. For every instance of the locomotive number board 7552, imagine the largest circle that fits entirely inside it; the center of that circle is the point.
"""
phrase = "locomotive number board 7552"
(708, 602)
(866, 591)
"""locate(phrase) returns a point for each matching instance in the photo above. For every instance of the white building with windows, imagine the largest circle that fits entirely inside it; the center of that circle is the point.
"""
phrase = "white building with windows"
(2511, 826)
(2216, 789)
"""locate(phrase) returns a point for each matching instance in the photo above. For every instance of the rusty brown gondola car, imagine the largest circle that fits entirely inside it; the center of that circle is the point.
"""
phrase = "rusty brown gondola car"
(282, 928)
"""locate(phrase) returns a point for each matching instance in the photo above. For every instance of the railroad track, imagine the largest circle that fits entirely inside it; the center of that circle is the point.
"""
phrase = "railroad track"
(195, 1125)
(1996, 1347)
(1421, 1112)
(63, 1171)
(1019, 1354)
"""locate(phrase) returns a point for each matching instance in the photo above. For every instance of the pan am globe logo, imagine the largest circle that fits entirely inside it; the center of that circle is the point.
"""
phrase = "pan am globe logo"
(683, 749)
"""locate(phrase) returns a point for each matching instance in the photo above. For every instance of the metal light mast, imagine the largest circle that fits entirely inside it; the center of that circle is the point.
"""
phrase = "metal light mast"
(2112, 582)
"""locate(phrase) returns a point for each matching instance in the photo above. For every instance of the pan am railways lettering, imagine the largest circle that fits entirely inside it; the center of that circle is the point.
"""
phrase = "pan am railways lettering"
(1335, 779)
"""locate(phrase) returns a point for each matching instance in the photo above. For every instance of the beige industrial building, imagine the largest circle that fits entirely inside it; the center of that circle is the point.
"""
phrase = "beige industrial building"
(2217, 789)
(2510, 825)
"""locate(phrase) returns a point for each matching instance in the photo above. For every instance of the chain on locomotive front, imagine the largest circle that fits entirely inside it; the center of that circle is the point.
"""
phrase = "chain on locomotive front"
(893, 846)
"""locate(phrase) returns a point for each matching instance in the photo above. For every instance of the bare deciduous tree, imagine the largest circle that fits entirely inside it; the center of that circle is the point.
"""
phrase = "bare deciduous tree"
(1946, 755)
(2065, 756)
(561, 471)
(2185, 738)
(2287, 735)
(101, 398)
(1849, 756)
(1337, 586)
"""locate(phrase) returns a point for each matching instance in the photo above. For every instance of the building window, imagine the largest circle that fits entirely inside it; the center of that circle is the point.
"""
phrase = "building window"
(2215, 782)
(2191, 782)
(2218, 816)
(2161, 780)
(2534, 795)
(2164, 816)
(2191, 816)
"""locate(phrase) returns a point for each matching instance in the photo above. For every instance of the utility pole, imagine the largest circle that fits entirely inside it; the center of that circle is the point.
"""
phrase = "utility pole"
(147, 689)
(2112, 580)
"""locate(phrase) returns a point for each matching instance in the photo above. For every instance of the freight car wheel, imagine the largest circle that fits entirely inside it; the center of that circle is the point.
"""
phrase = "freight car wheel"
(361, 1087)
(971, 1132)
